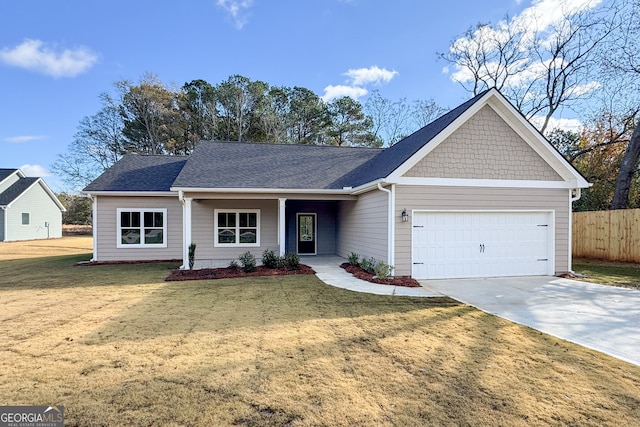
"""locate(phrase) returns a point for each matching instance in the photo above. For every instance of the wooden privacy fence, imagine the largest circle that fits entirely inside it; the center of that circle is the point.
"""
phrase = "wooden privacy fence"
(610, 235)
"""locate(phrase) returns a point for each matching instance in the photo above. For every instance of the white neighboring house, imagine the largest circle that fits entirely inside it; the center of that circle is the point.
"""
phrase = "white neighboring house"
(28, 208)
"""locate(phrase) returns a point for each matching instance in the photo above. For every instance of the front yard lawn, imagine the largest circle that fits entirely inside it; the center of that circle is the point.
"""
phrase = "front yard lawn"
(117, 345)
(608, 273)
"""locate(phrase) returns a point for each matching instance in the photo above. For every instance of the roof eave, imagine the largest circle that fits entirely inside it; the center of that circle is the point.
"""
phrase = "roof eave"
(131, 193)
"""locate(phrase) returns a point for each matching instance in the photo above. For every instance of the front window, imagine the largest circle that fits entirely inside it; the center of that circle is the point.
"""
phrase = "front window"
(237, 228)
(142, 227)
(26, 218)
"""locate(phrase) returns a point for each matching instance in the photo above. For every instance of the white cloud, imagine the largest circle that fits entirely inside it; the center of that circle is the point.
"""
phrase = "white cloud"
(23, 138)
(35, 171)
(237, 9)
(371, 75)
(36, 55)
(573, 125)
(338, 91)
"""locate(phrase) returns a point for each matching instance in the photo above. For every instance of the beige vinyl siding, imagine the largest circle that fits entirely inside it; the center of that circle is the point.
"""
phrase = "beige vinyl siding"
(481, 198)
(9, 181)
(41, 209)
(362, 226)
(485, 147)
(202, 230)
(107, 229)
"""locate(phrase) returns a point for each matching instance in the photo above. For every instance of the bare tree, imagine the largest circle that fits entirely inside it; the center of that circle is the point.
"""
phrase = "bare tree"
(393, 120)
(623, 62)
(540, 66)
(97, 145)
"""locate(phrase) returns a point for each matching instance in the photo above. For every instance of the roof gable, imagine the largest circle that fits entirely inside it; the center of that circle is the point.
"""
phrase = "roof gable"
(484, 147)
(21, 186)
(516, 121)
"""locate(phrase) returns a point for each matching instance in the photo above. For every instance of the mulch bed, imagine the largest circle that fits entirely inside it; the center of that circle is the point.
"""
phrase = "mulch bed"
(232, 273)
(370, 277)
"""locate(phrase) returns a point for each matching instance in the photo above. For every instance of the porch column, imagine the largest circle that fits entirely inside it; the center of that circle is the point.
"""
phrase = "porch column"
(186, 231)
(282, 235)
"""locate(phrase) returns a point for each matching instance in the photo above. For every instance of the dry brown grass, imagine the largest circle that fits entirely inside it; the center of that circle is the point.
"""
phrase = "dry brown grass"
(118, 346)
(46, 247)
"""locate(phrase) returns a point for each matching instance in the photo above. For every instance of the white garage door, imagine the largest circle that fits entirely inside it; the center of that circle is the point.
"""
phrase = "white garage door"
(481, 244)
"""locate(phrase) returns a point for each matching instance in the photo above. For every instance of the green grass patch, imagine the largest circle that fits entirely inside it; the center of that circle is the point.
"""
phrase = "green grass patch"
(608, 273)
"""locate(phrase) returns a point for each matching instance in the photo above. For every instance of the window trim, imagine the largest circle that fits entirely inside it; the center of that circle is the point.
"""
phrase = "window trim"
(237, 212)
(142, 211)
(22, 214)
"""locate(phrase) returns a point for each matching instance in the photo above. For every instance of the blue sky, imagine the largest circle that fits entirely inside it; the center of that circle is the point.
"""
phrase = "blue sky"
(56, 57)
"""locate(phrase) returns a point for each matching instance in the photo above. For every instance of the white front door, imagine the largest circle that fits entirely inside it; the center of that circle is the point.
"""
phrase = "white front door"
(481, 244)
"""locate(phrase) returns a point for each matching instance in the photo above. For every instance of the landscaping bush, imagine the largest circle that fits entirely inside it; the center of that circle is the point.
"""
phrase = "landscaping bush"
(292, 261)
(382, 270)
(270, 259)
(353, 259)
(367, 264)
(248, 262)
(233, 265)
(192, 255)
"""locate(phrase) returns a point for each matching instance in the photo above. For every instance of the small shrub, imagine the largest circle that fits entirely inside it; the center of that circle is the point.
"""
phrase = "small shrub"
(292, 261)
(367, 264)
(270, 259)
(192, 255)
(233, 265)
(353, 258)
(248, 262)
(382, 270)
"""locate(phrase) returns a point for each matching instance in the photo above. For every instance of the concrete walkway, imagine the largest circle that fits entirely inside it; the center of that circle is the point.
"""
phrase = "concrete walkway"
(603, 318)
(328, 270)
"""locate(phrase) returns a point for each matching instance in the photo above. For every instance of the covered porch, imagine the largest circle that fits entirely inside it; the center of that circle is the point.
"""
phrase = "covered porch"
(224, 226)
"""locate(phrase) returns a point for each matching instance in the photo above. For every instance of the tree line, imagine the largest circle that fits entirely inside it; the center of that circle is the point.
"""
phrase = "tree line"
(150, 117)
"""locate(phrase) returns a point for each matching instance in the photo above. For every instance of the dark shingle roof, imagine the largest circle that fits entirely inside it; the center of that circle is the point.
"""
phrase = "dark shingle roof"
(248, 165)
(19, 187)
(137, 172)
(4, 173)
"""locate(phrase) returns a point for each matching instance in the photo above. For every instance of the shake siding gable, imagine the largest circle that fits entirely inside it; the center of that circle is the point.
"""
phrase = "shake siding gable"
(479, 198)
(484, 147)
(362, 226)
(107, 231)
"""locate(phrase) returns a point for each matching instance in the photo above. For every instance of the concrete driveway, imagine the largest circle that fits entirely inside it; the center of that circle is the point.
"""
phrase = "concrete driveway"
(603, 318)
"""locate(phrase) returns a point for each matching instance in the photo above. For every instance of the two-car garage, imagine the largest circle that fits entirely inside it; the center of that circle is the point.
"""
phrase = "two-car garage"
(460, 244)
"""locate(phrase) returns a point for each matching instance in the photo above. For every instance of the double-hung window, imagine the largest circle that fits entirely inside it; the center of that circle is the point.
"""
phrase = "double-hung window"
(26, 218)
(237, 227)
(142, 228)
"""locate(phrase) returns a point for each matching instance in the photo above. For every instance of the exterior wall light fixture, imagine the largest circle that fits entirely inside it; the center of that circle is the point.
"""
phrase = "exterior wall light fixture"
(405, 215)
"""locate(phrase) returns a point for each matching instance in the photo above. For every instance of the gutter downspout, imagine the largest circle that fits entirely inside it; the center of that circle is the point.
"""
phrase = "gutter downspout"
(574, 196)
(391, 229)
(94, 228)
